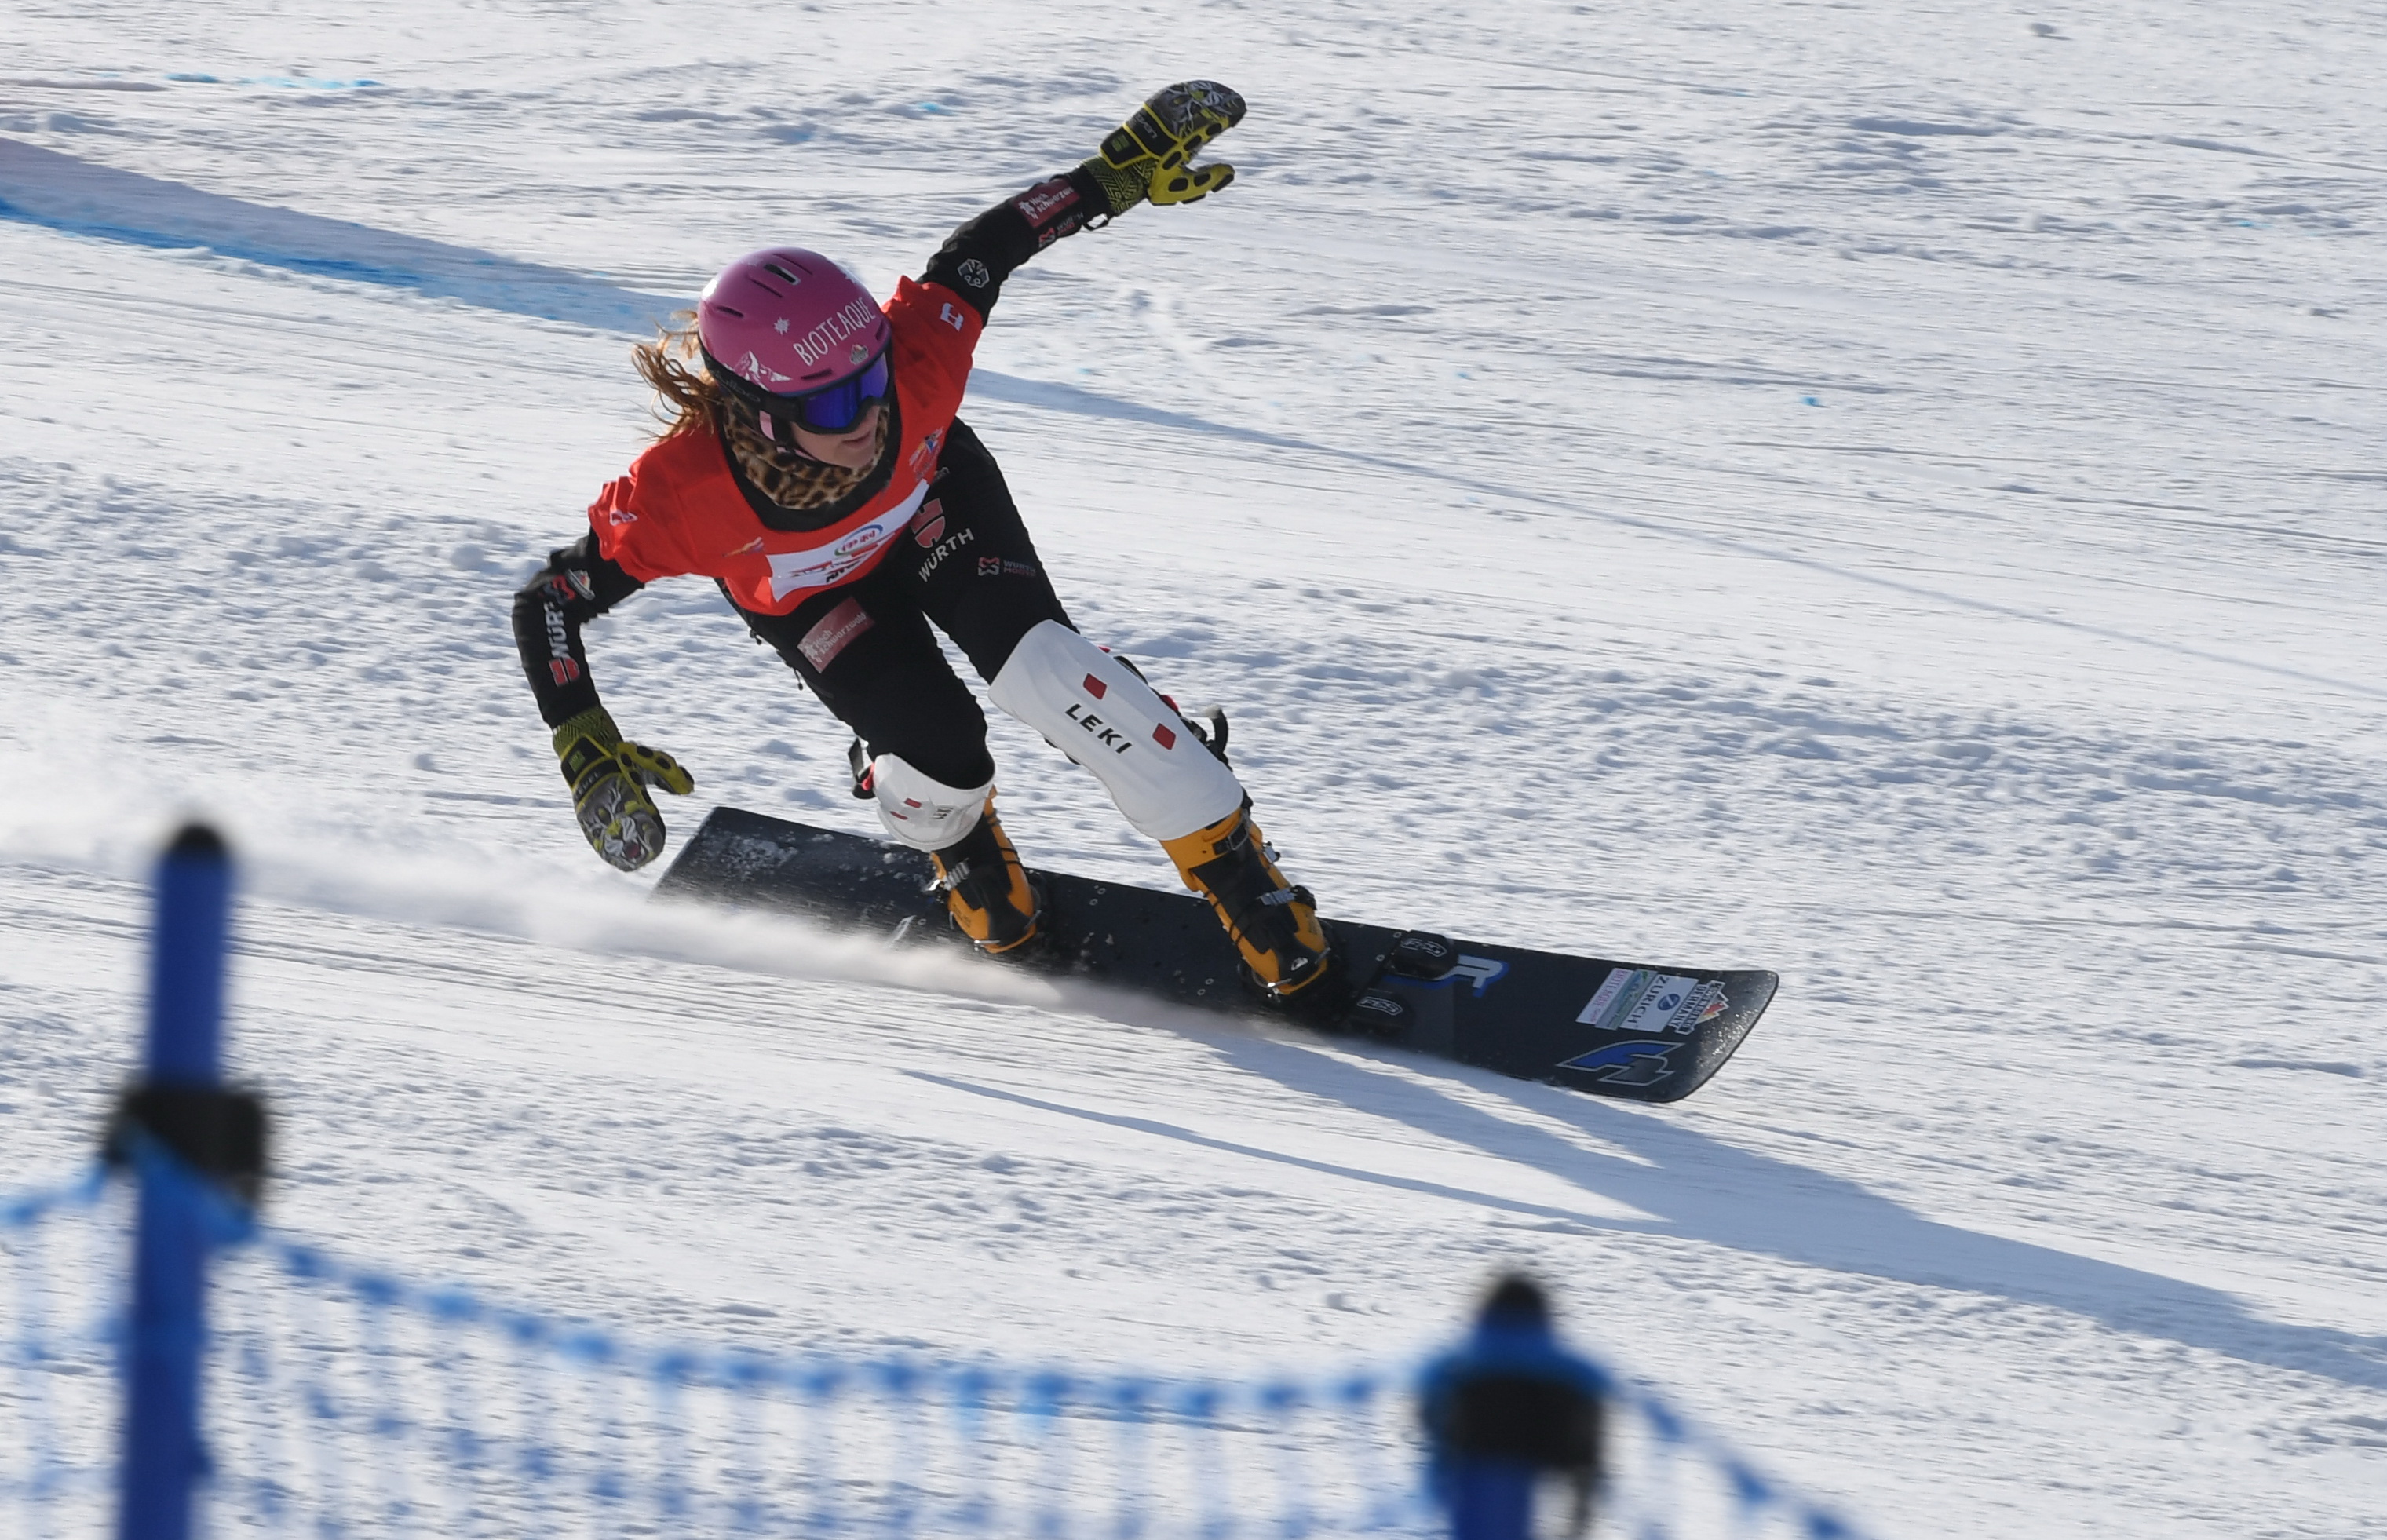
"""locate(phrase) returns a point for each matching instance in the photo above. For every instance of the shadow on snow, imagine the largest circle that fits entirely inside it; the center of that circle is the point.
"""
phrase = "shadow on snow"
(60, 191)
(1702, 1189)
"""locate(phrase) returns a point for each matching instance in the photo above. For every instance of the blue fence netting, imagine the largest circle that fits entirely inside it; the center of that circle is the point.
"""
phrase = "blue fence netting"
(63, 1249)
(341, 1399)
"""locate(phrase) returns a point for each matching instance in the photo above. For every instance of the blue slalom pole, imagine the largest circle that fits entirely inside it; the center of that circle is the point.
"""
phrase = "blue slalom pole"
(163, 1460)
(1509, 1409)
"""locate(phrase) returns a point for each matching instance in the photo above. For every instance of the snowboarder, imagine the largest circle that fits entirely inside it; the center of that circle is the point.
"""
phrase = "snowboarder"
(813, 465)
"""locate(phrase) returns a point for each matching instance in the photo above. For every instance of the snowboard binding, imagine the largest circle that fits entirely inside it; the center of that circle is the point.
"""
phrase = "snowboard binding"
(1373, 1010)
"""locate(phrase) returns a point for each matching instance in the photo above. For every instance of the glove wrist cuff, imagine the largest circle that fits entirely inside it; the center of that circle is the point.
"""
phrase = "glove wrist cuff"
(1112, 189)
(595, 725)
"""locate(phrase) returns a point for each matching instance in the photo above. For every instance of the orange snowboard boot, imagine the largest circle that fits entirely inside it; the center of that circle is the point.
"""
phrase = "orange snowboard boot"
(987, 890)
(1273, 923)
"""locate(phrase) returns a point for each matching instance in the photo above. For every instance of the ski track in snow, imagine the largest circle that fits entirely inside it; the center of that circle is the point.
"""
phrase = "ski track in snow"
(1885, 493)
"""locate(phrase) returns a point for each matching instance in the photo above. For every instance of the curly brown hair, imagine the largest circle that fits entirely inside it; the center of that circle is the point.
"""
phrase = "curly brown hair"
(687, 398)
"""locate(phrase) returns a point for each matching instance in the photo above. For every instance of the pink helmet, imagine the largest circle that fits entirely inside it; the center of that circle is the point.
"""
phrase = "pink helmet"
(784, 324)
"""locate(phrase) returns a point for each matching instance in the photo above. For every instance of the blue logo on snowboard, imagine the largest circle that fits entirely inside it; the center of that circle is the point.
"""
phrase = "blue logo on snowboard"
(1633, 1063)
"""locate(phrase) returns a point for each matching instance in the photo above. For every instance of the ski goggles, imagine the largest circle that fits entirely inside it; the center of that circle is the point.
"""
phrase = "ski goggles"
(836, 408)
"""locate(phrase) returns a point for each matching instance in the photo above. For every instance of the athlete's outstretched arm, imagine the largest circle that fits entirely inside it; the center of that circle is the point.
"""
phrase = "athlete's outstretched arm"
(1150, 156)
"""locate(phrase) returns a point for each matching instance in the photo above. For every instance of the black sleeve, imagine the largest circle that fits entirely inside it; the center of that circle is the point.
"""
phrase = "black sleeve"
(988, 249)
(576, 587)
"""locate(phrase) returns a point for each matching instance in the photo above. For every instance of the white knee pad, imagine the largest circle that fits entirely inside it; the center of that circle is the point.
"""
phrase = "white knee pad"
(1095, 710)
(921, 809)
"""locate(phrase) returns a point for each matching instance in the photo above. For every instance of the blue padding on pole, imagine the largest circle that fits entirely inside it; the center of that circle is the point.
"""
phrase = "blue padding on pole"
(163, 1459)
(1491, 1499)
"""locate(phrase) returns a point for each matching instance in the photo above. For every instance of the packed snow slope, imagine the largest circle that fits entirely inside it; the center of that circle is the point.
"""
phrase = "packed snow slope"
(1886, 492)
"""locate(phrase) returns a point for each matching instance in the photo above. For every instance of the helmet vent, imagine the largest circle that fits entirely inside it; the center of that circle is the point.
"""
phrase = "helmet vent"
(729, 310)
(776, 268)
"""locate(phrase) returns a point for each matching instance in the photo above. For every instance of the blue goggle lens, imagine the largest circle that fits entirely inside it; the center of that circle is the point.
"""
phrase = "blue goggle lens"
(836, 409)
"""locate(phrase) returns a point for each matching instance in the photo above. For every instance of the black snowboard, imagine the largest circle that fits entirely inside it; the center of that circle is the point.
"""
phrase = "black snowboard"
(1636, 1030)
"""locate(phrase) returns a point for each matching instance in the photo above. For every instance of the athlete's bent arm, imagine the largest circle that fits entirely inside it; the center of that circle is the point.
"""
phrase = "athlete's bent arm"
(609, 776)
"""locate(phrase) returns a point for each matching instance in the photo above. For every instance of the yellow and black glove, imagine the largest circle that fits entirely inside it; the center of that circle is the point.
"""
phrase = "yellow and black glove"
(609, 779)
(1151, 153)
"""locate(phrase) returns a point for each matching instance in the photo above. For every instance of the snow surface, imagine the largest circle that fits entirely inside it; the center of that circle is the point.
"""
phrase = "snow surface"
(1884, 492)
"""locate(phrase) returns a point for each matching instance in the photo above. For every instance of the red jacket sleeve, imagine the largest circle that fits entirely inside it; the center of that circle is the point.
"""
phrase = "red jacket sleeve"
(632, 524)
(936, 336)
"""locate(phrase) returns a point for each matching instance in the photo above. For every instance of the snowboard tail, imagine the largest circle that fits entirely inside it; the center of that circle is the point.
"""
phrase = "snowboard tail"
(1613, 1028)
